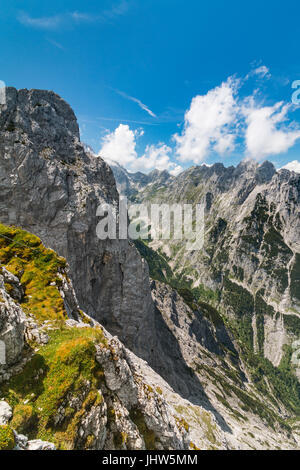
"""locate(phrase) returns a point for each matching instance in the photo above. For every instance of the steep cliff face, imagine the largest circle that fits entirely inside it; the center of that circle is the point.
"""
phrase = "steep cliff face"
(251, 255)
(50, 186)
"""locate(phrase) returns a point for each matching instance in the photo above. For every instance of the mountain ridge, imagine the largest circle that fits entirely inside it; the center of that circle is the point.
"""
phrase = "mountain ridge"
(252, 225)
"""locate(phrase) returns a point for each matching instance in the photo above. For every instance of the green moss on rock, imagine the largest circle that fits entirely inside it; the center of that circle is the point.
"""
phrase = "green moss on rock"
(148, 435)
(24, 255)
(7, 438)
(65, 367)
(24, 418)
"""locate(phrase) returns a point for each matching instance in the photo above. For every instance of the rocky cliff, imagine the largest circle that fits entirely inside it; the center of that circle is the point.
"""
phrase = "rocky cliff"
(51, 186)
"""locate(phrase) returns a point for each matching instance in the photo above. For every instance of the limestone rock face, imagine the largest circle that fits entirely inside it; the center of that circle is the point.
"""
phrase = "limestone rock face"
(141, 413)
(51, 186)
(5, 412)
(129, 184)
(12, 329)
(128, 413)
(135, 408)
(38, 444)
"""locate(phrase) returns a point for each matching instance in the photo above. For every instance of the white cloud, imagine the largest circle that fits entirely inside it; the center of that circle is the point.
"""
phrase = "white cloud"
(75, 17)
(116, 10)
(261, 72)
(56, 44)
(293, 166)
(176, 170)
(225, 144)
(215, 121)
(120, 146)
(44, 22)
(156, 157)
(209, 124)
(266, 132)
(136, 100)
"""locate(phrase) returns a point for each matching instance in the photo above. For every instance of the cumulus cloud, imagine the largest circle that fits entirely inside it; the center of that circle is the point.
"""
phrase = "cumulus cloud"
(293, 166)
(177, 169)
(222, 119)
(225, 144)
(267, 132)
(156, 157)
(209, 124)
(218, 122)
(120, 146)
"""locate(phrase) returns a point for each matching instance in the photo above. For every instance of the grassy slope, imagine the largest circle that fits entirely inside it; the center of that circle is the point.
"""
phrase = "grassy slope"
(66, 366)
(37, 268)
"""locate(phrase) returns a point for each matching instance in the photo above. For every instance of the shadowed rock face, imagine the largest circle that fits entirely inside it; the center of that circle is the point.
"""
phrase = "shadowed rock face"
(50, 186)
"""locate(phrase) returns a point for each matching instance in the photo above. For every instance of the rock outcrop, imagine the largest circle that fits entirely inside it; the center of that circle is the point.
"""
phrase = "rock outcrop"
(12, 327)
(11, 440)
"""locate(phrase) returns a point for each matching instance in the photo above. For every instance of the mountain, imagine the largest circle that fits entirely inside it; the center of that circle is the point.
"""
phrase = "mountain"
(251, 255)
(130, 184)
(166, 362)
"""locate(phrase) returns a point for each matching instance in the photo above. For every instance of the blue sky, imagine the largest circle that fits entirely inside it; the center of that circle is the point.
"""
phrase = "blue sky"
(164, 83)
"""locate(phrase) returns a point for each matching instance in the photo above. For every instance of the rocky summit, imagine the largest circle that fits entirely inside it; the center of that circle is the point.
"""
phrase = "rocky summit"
(110, 344)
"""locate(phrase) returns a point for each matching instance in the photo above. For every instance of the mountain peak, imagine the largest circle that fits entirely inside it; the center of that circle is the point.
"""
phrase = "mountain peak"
(47, 120)
(265, 172)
